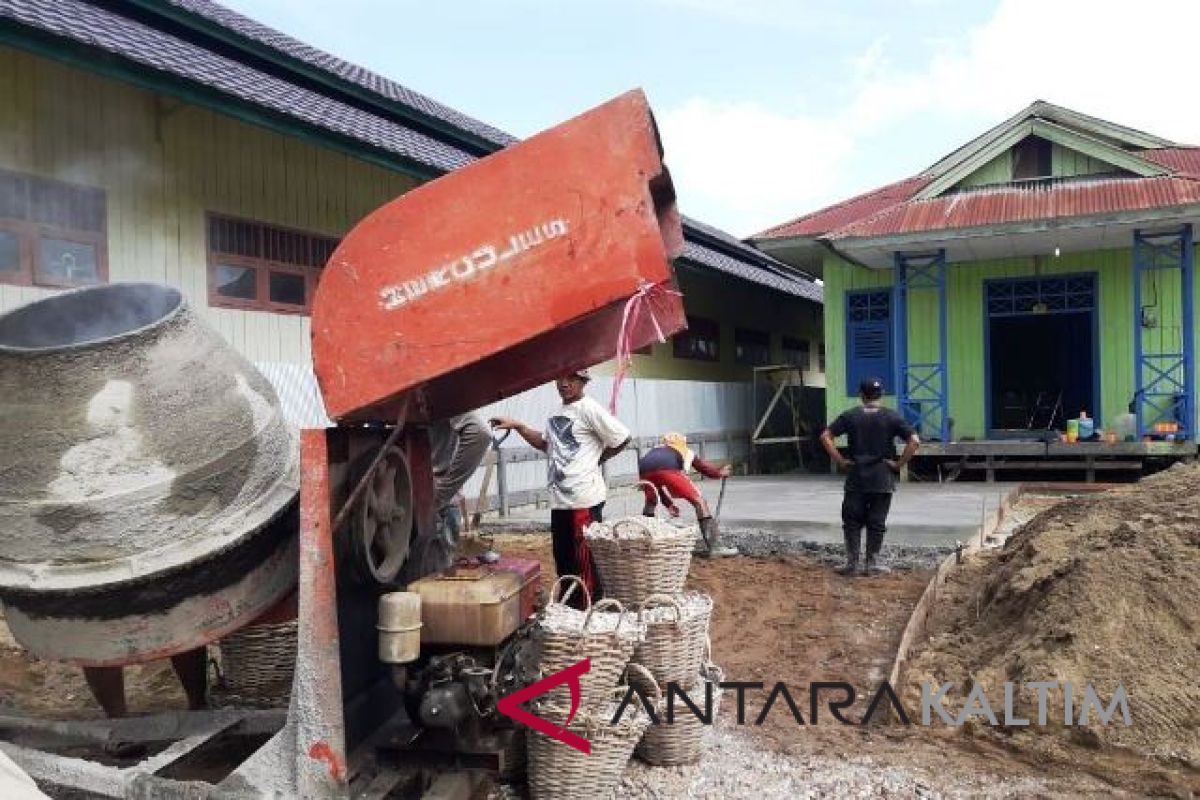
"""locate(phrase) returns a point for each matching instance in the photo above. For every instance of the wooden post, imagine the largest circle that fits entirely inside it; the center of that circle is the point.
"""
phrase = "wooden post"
(502, 481)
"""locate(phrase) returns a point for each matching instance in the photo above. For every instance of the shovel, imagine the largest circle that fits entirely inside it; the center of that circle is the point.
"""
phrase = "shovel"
(716, 515)
(477, 517)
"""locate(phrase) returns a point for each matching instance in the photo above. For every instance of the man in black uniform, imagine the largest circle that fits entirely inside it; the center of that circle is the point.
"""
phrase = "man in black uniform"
(871, 470)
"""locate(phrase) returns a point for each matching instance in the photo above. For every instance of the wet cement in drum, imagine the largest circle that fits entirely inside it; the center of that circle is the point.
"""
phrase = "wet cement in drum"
(89, 425)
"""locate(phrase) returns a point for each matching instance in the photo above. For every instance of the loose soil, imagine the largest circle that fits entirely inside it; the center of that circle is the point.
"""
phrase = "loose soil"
(792, 619)
(1099, 590)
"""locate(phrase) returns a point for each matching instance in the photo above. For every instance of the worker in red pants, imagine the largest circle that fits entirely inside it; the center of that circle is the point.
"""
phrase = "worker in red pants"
(664, 471)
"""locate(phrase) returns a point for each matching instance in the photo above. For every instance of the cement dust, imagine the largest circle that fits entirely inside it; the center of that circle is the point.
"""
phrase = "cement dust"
(1101, 590)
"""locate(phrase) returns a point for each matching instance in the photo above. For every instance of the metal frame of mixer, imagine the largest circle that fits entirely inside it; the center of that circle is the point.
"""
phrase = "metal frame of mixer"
(345, 713)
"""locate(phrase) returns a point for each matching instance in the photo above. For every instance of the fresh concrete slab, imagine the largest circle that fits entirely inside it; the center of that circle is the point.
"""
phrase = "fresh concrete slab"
(807, 508)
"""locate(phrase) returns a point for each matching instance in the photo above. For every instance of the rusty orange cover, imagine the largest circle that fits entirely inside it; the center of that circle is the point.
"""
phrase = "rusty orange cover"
(498, 276)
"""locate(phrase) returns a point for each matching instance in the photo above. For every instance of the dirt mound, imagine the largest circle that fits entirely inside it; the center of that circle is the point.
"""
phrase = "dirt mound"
(1101, 590)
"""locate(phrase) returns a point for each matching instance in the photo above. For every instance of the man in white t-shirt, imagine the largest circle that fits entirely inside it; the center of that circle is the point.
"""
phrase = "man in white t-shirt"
(579, 437)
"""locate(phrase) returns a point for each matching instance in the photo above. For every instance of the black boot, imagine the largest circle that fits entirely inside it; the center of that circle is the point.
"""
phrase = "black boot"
(874, 545)
(852, 542)
(712, 536)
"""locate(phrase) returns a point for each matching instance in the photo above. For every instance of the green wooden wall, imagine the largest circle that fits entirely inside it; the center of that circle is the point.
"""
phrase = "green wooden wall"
(965, 336)
(1064, 163)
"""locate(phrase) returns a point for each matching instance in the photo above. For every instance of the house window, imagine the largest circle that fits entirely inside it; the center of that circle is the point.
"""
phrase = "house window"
(751, 348)
(51, 233)
(796, 352)
(868, 337)
(263, 267)
(821, 357)
(700, 342)
(1032, 159)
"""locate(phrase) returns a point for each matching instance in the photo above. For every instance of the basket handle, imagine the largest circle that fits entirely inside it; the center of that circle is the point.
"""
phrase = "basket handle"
(576, 583)
(649, 676)
(656, 492)
(607, 602)
(635, 523)
(663, 599)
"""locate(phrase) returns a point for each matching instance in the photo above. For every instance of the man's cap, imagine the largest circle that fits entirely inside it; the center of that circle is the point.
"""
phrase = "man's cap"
(871, 387)
(583, 374)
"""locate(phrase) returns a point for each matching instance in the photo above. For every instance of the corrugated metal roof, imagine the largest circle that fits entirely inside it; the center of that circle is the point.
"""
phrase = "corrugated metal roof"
(1183, 160)
(843, 213)
(1038, 201)
(891, 209)
(298, 392)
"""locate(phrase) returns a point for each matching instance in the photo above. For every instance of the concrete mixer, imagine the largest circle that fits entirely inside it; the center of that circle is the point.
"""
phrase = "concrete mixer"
(479, 285)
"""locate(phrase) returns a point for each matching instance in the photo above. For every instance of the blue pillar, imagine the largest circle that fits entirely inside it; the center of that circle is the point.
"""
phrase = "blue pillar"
(922, 388)
(1164, 373)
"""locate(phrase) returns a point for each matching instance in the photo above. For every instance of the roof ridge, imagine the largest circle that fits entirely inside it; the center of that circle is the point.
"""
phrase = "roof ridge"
(332, 66)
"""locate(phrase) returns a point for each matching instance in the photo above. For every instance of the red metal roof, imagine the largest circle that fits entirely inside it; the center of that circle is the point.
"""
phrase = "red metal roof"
(1183, 160)
(1006, 204)
(891, 210)
(847, 211)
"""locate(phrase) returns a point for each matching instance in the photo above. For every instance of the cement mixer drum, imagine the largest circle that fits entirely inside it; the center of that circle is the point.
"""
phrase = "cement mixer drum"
(138, 453)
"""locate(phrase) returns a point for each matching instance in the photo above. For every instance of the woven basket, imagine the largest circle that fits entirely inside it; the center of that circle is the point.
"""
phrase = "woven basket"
(559, 772)
(678, 737)
(565, 636)
(676, 632)
(256, 666)
(641, 556)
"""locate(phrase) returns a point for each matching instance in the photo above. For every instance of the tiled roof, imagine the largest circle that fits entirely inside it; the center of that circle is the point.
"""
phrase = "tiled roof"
(162, 52)
(782, 279)
(1039, 200)
(173, 53)
(292, 48)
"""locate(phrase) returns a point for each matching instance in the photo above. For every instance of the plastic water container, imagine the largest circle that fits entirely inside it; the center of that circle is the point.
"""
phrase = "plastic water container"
(1087, 426)
(1072, 430)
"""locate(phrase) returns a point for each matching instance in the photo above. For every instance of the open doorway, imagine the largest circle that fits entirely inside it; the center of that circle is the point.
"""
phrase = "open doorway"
(1041, 361)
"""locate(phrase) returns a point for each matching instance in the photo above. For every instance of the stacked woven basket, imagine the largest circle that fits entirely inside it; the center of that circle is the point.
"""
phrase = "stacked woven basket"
(649, 632)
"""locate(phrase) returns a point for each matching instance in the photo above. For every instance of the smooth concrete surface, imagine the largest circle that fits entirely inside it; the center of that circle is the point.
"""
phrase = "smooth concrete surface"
(808, 507)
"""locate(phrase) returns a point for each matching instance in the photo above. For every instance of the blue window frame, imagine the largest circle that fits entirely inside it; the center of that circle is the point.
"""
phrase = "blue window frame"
(869, 350)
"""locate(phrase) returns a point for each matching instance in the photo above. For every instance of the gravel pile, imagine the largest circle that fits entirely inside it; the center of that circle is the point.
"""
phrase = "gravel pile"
(736, 766)
(765, 543)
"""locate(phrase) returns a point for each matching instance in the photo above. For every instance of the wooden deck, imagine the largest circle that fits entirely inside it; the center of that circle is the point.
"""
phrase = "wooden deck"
(992, 456)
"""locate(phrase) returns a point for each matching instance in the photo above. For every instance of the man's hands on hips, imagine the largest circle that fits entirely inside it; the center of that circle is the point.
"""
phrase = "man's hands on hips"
(842, 462)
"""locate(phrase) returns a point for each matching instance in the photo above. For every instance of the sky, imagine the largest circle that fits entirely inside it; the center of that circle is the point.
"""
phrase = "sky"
(770, 109)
